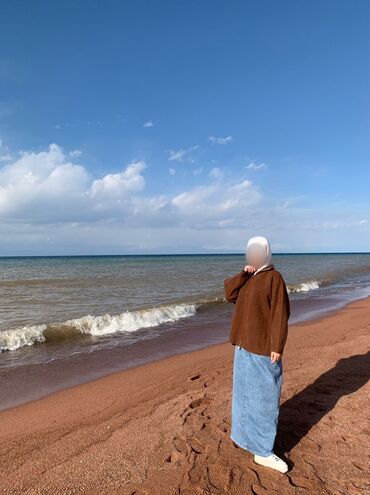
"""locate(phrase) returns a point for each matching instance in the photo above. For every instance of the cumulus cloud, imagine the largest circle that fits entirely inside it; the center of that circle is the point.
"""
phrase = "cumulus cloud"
(148, 124)
(118, 185)
(50, 202)
(48, 186)
(220, 140)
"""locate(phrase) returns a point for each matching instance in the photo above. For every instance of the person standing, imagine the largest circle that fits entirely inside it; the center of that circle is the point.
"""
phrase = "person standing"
(259, 330)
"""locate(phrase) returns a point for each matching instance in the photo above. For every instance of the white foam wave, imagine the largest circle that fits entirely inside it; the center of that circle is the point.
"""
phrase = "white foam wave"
(129, 321)
(304, 286)
(10, 340)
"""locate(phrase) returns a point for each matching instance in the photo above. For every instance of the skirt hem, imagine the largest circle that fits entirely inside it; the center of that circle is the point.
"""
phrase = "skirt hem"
(249, 450)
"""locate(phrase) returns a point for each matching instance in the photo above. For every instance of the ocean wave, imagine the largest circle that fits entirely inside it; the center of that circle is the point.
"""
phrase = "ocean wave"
(304, 286)
(13, 339)
(129, 321)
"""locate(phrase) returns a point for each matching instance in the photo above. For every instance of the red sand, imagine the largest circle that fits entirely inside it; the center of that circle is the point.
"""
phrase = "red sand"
(163, 428)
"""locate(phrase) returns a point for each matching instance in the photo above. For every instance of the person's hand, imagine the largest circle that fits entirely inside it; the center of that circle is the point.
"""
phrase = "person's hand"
(249, 269)
(275, 356)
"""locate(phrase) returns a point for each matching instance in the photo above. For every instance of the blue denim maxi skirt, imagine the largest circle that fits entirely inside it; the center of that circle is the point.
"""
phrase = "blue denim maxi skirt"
(255, 401)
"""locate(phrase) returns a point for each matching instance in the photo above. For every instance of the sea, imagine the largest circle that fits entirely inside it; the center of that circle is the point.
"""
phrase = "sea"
(68, 320)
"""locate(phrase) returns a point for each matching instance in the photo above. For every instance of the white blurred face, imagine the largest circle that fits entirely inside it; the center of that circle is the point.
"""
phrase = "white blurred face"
(256, 256)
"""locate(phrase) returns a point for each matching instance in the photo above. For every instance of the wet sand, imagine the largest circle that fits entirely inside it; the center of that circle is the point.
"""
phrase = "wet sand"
(163, 428)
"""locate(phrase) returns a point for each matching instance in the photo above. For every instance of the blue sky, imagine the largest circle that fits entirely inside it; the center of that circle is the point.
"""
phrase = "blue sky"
(184, 126)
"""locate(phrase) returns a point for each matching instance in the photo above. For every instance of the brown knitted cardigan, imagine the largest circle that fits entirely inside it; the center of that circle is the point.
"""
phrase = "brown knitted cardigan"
(260, 317)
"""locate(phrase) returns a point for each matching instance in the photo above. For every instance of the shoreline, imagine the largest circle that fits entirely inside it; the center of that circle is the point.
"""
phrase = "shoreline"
(163, 427)
(31, 382)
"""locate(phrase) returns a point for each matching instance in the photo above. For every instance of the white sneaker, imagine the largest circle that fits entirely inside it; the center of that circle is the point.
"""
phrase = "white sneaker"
(272, 461)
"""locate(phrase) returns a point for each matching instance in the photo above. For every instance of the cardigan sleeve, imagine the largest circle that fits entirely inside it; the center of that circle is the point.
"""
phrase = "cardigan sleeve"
(279, 314)
(234, 284)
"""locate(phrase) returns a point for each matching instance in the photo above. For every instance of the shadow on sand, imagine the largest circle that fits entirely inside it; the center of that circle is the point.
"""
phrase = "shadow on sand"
(303, 411)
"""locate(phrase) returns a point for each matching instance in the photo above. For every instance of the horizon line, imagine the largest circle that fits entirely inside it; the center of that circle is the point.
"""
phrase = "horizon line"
(171, 254)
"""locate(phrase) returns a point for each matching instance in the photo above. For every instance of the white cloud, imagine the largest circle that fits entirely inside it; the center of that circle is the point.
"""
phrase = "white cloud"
(215, 204)
(148, 124)
(50, 204)
(220, 140)
(172, 171)
(48, 187)
(120, 184)
(256, 166)
(181, 154)
(5, 158)
(40, 185)
(75, 153)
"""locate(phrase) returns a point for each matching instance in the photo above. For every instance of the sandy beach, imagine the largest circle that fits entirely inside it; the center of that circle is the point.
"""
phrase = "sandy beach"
(163, 428)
